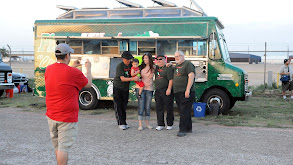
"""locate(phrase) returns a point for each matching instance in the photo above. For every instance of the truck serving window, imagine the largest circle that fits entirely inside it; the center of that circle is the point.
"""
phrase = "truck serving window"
(132, 47)
(92, 46)
(146, 46)
(76, 45)
(192, 47)
(110, 47)
(167, 47)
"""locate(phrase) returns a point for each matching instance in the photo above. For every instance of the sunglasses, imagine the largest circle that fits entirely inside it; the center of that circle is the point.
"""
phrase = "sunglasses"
(159, 59)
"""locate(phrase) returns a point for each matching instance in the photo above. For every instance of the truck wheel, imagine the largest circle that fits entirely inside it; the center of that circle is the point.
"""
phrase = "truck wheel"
(87, 99)
(1, 92)
(219, 95)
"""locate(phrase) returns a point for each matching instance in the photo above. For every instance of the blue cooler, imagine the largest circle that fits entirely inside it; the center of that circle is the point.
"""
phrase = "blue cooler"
(199, 109)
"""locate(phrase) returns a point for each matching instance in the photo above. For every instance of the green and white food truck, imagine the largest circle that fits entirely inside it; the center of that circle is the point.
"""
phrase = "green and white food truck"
(102, 34)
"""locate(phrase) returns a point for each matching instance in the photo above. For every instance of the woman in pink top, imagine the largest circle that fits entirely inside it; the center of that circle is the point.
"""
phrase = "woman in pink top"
(144, 102)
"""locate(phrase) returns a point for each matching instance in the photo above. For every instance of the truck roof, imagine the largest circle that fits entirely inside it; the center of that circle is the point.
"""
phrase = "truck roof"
(133, 20)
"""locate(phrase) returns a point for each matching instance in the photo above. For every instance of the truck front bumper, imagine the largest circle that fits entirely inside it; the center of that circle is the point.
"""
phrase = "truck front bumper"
(248, 95)
(4, 86)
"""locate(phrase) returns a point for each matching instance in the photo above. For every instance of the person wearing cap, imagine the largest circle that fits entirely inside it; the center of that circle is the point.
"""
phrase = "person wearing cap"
(184, 91)
(286, 70)
(164, 96)
(121, 89)
(63, 84)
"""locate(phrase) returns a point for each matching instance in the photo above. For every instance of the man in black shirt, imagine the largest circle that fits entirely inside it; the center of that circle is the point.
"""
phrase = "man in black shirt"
(121, 89)
(164, 95)
(184, 91)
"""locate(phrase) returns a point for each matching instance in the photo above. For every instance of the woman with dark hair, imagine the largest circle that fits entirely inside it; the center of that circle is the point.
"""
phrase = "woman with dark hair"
(144, 102)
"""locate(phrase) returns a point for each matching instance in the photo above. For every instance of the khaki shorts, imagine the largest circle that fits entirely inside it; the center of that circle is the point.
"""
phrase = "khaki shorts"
(287, 86)
(62, 134)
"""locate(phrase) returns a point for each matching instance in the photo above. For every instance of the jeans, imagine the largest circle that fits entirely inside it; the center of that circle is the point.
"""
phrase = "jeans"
(162, 100)
(120, 104)
(185, 107)
(144, 103)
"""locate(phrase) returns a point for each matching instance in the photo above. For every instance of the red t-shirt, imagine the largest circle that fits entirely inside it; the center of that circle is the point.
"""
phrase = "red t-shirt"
(63, 84)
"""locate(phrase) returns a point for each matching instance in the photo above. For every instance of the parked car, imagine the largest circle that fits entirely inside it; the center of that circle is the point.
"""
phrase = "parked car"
(20, 79)
(5, 77)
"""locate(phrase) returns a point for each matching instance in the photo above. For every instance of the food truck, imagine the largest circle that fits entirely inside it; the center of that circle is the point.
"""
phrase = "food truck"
(102, 34)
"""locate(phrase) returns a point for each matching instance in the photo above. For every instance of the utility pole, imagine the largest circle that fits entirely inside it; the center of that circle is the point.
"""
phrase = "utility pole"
(265, 68)
(288, 53)
(9, 54)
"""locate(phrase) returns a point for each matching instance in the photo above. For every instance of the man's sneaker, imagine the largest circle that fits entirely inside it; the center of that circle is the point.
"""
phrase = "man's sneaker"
(140, 128)
(122, 127)
(149, 127)
(181, 134)
(169, 128)
(159, 128)
(127, 126)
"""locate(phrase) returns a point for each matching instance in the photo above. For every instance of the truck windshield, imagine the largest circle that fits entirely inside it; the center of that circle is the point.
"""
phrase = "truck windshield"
(223, 45)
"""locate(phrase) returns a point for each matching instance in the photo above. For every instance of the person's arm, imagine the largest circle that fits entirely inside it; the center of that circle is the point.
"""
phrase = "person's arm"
(126, 79)
(191, 76)
(134, 73)
(169, 64)
(168, 92)
(75, 64)
(88, 66)
(282, 71)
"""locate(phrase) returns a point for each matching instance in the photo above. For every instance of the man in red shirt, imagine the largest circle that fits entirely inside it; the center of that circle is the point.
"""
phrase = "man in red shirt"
(63, 84)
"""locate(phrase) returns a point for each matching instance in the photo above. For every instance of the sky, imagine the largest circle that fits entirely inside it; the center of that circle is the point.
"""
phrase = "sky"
(248, 24)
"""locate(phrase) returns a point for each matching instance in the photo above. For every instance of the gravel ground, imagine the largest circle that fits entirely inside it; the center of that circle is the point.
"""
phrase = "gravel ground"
(24, 139)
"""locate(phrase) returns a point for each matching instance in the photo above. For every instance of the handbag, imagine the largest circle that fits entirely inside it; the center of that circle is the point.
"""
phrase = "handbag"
(285, 78)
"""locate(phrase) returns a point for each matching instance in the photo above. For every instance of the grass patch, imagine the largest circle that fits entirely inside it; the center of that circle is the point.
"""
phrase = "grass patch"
(24, 101)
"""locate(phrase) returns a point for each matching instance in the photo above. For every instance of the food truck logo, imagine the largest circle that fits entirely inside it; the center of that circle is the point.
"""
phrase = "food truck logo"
(45, 61)
(47, 44)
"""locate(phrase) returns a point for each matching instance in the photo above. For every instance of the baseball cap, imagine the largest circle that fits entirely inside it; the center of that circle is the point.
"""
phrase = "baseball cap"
(160, 55)
(127, 55)
(286, 60)
(64, 49)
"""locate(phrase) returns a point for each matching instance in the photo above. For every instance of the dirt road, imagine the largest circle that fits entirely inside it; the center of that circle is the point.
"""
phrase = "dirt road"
(24, 139)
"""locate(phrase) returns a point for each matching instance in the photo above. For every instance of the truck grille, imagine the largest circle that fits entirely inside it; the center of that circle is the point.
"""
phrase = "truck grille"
(2, 77)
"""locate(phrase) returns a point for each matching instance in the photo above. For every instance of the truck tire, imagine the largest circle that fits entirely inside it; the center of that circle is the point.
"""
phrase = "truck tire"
(232, 103)
(1, 92)
(87, 99)
(221, 95)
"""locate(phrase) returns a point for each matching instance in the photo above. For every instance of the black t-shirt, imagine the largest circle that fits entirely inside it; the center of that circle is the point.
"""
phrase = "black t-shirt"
(122, 70)
(181, 76)
(163, 75)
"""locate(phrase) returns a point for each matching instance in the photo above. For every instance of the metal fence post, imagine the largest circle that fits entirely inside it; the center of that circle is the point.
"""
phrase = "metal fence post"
(9, 54)
(265, 68)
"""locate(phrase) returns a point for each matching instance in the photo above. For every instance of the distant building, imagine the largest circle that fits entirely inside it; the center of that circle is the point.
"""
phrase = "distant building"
(242, 57)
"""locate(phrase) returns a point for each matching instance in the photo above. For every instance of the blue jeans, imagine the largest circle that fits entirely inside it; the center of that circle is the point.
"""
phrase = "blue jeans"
(144, 103)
